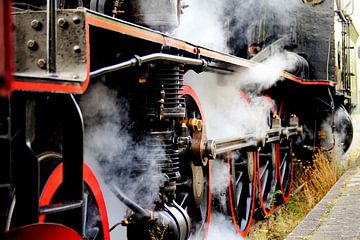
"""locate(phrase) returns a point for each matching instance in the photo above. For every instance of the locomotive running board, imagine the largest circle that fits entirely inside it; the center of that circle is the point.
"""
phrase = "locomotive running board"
(63, 65)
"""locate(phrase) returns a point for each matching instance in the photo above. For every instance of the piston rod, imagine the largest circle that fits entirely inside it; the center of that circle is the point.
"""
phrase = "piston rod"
(220, 146)
(137, 61)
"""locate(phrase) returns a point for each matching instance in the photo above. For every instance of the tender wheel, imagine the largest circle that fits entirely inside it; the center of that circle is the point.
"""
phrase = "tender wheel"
(94, 210)
(266, 178)
(242, 189)
(284, 168)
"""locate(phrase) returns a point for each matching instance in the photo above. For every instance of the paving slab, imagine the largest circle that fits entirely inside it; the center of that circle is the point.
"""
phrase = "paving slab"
(337, 215)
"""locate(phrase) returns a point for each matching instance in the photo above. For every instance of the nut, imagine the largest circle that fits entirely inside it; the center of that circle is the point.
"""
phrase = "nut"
(31, 44)
(41, 63)
(35, 24)
(62, 22)
(76, 20)
(77, 49)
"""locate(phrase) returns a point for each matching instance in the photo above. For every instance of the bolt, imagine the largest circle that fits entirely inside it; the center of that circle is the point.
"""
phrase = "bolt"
(32, 44)
(75, 76)
(62, 22)
(35, 24)
(76, 20)
(41, 63)
(77, 49)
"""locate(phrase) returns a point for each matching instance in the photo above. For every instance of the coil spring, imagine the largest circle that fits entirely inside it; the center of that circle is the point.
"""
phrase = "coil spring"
(166, 83)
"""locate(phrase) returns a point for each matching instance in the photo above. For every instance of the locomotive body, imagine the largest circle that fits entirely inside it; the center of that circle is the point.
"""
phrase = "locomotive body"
(85, 78)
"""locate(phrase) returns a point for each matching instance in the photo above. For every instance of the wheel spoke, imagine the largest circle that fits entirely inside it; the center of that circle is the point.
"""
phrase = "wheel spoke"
(186, 195)
(265, 169)
(239, 178)
(264, 183)
(85, 209)
(283, 171)
(283, 161)
(239, 192)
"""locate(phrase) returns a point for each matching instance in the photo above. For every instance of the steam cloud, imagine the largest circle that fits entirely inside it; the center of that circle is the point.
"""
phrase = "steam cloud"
(111, 150)
(336, 140)
(110, 147)
(227, 112)
(213, 23)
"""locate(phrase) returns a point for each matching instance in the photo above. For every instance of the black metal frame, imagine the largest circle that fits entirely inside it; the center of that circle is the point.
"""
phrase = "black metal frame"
(23, 164)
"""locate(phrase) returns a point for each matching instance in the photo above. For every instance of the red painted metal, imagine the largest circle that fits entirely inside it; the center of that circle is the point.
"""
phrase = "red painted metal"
(266, 211)
(54, 183)
(285, 197)
(208, 214)
(6, 49)
(42, 231)
(187, 90)
(231, 199)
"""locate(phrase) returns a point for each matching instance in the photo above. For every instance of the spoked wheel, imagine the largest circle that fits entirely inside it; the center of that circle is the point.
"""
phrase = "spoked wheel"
(242, 189)
(95, 219)
(195, 197)
(267, 178)
(284, 168)
(196, 201)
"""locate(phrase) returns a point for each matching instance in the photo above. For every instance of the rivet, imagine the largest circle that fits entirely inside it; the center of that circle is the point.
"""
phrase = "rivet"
(76, 20)
(32, 44)
(62, 22)
(75, 76)
(35, 24)
(41, 63)
(77, 49)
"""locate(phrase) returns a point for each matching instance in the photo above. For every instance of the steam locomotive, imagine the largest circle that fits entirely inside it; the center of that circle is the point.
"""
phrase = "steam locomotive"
(54, 54)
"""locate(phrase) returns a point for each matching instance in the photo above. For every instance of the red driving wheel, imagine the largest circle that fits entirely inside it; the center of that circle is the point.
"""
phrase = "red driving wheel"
(92, 188)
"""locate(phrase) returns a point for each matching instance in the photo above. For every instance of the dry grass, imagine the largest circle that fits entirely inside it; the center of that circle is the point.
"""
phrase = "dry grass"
(313, 180)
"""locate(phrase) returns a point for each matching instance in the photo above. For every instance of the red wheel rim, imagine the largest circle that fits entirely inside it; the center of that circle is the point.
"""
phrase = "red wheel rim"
(285, 196)
(208, 214)
(238, 230)
(43, 231)
(187, 90)
(266, 211)
(90, 180)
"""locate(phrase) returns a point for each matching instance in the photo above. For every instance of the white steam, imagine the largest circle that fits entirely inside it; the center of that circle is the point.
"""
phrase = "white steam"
(227, 112)
(113, 154)
(219, 169)
(221, 227)
(335, 140)
(202, 24)
(207, 22)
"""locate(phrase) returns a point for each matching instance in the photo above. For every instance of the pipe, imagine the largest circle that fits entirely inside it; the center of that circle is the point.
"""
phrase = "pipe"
(138, 61)
(140, 212)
